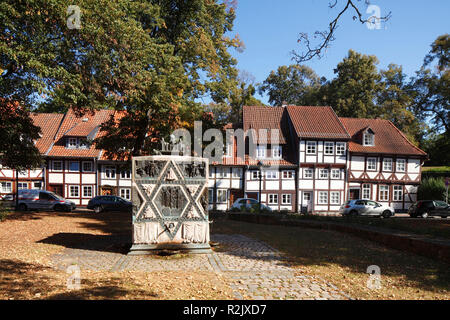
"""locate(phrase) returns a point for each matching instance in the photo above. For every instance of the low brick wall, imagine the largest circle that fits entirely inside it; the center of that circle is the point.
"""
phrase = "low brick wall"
(435, 249)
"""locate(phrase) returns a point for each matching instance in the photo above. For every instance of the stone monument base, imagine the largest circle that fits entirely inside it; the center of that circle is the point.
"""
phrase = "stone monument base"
(149, 249)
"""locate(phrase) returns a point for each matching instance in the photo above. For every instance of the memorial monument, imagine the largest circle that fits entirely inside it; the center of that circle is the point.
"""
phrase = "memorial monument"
(170, 204)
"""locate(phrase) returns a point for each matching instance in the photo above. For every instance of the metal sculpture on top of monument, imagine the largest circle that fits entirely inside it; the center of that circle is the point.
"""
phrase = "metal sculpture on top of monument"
(170, 204)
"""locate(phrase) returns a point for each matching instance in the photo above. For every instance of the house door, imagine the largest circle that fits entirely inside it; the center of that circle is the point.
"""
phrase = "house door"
(56, 188)
(353, 194)
(234, 195)
(307, 200)
(252, 195)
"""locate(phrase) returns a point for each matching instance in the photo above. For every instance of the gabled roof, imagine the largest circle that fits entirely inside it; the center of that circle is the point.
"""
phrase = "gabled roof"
(388, 138)
(266, 118)
(86, 126)
(320, 122)
(49, 124)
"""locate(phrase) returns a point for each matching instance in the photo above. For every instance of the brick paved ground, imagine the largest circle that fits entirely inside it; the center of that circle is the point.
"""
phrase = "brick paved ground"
(253, 269)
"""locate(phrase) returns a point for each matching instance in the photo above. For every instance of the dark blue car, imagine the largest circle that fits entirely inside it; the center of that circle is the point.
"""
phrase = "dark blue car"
(109, 203)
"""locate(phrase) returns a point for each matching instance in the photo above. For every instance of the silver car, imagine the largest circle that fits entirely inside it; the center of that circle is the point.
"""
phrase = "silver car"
(248, 203)
(361, 207)
(43, 200)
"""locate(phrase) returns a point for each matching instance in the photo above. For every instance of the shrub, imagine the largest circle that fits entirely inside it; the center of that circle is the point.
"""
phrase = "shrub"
(431, 189)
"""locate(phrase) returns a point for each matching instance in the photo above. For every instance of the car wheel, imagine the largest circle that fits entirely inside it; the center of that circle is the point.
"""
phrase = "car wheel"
(424, 215)
(386, 214)
(22, 207)
(98, 209)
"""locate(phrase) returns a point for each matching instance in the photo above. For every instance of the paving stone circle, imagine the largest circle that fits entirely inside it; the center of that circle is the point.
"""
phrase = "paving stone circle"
(253, 269)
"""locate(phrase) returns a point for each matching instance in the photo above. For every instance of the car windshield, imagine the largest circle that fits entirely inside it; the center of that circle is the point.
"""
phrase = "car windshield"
(57, 196)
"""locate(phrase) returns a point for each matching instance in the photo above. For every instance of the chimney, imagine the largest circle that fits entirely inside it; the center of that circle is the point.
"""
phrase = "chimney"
(284, 104)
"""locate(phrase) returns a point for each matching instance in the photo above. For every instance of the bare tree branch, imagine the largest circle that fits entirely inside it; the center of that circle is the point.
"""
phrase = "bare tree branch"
(328, 36)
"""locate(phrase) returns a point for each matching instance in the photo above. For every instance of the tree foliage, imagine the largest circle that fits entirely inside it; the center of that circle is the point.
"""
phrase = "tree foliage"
(18, 133)
(294, 84)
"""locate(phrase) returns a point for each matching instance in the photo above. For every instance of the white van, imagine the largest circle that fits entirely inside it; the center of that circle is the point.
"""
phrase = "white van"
(43, 200)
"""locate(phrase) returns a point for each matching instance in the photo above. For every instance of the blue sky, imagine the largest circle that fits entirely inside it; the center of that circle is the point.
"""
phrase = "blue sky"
(270, 30)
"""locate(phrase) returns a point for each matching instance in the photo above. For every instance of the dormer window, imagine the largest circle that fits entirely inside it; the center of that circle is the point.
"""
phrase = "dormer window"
(369, 138)
(260, 152)
(276, 152)
(72, 143)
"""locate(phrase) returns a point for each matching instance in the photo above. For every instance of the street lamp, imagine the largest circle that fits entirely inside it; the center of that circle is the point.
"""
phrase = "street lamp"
(259, 165)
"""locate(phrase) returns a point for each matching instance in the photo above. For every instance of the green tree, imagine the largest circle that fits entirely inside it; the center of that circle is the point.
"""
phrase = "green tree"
(432, 86)
(353, 92)
(394, 100)
(152, 59)
(293, 84)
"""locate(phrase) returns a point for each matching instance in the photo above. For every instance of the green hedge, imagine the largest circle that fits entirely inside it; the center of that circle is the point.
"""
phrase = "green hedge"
(431, 188)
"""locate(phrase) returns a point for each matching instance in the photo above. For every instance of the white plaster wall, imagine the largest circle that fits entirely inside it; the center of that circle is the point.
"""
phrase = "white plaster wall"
(88, 178)
(72, 178)
(413, 165)
(55, 177)
(357, 163)
(287, 184)
(272, 185)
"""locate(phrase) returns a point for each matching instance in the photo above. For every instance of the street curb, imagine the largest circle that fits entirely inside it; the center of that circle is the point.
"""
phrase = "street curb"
(437, 249)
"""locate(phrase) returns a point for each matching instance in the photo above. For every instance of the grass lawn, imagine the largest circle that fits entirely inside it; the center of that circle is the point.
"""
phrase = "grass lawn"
(343, 260)
(436, 169)
(435, 228)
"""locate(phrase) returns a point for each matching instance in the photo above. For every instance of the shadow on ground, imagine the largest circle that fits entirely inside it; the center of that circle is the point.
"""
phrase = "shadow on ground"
(20, 280)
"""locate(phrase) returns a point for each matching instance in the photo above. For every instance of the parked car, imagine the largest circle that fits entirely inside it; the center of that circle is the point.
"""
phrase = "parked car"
(109, 203)
(426, 208)
(362, 207)
(43, 200)
(248, 203)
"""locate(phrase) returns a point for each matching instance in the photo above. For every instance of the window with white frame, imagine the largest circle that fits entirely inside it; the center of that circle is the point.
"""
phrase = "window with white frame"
(335, 197)
(255, 175)
(225, 172)
(271, 174)
(74, 166)
(323, 173)
(276, 152)
(57, 165)
(308, 173)
(74, 191)
(37, 185)
(87, 166)
(125, 174)
(125, 193)
(72, 143)
(366, 191)
(110, 172)
(286, 198)
(340, 148)
(384, 193)
(387, 164)
(87, 191)
(311, 147)
(273, 198)
(22, 185)
(288, 174)
(323, 197)
(219, 172)
(6, 187)
(329, 148)
(369, 139)
(335, 173)
(400, 165)
(210, 195)
(211, 172)
(260, 152)
(397, 193)
(221, 195)
(372, 164)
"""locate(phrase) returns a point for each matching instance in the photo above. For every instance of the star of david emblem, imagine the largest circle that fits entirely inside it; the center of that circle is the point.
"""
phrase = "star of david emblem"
(170, 199)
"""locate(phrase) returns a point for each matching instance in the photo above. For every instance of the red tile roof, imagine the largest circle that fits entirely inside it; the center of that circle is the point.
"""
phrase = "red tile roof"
(73, 126)
(316, 122)
(388, 138)
(268, 118)
(49, 124)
